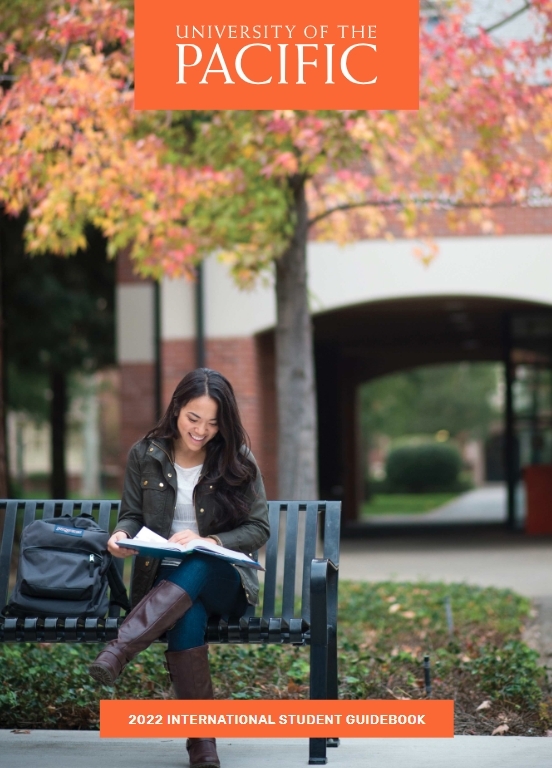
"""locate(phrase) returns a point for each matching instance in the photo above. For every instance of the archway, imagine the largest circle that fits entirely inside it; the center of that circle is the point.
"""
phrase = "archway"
(362, 342)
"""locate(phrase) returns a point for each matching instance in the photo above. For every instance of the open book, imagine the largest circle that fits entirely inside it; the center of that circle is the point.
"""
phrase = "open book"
(147, 542)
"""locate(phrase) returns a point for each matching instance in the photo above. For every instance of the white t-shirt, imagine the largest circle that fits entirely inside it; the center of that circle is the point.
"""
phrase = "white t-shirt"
(184, 513)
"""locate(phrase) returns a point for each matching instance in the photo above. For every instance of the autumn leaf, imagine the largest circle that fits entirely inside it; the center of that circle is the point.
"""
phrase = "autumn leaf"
(484, 705)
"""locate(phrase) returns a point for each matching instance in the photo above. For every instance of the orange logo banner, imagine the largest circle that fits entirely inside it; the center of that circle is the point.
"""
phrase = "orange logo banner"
(278, 718)
(283, 55)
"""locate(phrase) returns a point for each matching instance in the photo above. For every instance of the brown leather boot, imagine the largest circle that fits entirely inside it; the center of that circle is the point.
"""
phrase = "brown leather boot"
(191, 678)
(158, 611)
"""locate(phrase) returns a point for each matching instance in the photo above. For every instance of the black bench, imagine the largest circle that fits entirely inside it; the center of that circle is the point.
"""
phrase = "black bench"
(312, 623)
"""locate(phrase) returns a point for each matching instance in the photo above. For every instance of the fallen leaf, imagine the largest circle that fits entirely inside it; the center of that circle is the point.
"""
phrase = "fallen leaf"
(484, 705)
(500, 730)
(465, 659)
(398, 698)
(412, 650)
(394, 608)
(408, 614)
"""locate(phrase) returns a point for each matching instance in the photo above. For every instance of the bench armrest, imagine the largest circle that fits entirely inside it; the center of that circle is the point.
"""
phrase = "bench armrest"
(323, 624)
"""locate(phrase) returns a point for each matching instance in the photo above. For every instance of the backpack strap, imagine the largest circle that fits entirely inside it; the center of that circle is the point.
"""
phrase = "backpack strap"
(118, 590)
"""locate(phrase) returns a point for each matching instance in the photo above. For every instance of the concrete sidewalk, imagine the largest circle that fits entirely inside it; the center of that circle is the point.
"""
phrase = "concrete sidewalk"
(498, 559)
(84, 749)
(482, 505)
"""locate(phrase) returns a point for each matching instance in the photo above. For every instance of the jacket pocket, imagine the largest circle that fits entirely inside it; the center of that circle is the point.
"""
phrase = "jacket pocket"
(153, 482)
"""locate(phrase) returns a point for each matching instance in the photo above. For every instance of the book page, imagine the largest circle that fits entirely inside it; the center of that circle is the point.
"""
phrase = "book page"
(146, 536)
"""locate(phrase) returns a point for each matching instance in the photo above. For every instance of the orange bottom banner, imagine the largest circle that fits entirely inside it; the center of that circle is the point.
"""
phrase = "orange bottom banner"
(276, 718)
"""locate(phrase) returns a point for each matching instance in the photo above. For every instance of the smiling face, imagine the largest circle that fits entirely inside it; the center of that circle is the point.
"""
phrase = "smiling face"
(197, 424)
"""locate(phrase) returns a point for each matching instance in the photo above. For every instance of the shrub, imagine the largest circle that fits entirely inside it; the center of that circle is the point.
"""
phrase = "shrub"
(423, 468)
(510, 674)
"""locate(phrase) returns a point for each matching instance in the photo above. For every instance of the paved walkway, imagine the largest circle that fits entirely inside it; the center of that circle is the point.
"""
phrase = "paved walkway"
(84, 749)
(489, 559)
(482, 505)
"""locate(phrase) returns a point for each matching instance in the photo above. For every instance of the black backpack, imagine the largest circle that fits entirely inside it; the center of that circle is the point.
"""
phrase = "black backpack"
(65, 570)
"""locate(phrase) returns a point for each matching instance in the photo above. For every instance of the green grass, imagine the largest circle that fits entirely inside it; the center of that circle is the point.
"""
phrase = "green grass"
(384, 631)
(405, 503)
(44, 494)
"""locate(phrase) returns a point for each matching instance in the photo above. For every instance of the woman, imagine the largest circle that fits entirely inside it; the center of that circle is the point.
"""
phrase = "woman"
(191, 477)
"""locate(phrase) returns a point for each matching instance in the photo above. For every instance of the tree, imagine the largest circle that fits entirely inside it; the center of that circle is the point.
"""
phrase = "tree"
(71, 157)
(456, 397)
(59, 317)
(258, 184)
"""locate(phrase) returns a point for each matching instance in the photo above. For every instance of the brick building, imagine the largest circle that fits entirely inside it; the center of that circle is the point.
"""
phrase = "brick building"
(376, 309)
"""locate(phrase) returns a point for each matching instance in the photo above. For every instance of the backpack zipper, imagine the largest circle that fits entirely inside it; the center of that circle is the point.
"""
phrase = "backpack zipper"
(91, 557)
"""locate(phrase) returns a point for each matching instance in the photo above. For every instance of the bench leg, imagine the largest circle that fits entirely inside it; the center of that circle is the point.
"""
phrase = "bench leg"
(332, 675)
(317, 752)
(318, 690)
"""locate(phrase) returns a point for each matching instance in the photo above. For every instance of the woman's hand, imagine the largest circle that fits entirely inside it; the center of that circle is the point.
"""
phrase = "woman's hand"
(184, 537)
(119, 551)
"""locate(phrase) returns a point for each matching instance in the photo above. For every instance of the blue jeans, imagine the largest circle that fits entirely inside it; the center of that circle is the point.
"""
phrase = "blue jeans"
(215, 588)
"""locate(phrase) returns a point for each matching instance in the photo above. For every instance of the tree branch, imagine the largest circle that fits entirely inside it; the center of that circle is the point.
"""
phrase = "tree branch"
(67, 47)
(397, 202)
(508, 18)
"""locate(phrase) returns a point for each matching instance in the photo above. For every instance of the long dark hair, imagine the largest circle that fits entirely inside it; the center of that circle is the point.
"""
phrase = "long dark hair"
(227, 466)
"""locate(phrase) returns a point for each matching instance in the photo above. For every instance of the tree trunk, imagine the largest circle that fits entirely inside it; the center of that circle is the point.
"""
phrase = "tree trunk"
(58, 412)
(295, 380)
(91, 471)
(3, 441)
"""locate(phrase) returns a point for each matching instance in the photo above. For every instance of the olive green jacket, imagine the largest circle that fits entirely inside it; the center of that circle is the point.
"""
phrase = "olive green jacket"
(149, 498)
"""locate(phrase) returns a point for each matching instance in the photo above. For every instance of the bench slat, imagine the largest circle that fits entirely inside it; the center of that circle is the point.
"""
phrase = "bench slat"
(311, 536)
(290, 559)
(86, 508)
(30, 513)
(49, 509)
(67, 508)
(6, 549)
(271, 559)
(332, 526)
(105, 512)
